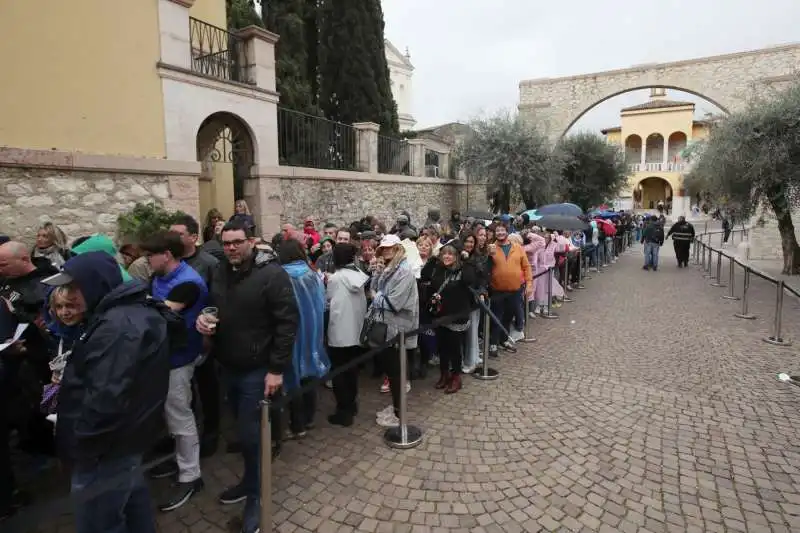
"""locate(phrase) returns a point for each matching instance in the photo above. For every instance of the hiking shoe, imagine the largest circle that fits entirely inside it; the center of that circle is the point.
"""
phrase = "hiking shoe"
(232, 495)
(180, 493)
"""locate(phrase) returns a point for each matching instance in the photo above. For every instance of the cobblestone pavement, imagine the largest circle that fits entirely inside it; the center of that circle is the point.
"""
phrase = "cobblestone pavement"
(646, 407)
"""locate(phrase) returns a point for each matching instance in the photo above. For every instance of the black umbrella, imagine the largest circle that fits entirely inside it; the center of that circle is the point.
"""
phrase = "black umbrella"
(560, 209)
(561, 223)
(477, 213)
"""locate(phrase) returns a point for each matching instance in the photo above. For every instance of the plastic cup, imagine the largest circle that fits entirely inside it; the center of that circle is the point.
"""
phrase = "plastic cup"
(211, 312)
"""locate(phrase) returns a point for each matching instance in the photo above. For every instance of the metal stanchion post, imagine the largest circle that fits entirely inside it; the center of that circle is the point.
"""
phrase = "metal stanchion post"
(586, 260)
(550, 314)
(528, 336)
(486, 373)
(265, 518)
(718, 281)
(581, 271)
(565, 279)
(403, 436)
(709, 261)
(745, 301)
(776, 338)
(702, 256)
(731, 284)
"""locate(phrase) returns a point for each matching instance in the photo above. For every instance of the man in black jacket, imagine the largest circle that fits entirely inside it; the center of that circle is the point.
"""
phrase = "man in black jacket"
(253, 335)
(23, 366)
(111, 401)
(682, 236)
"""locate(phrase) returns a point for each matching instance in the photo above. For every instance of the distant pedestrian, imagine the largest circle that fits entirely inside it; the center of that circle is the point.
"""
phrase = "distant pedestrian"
(652, 238)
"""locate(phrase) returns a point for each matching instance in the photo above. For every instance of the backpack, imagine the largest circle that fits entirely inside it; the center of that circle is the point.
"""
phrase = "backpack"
(658, 235)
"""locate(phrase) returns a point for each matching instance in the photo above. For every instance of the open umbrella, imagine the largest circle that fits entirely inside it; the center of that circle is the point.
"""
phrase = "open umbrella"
(562, 223)
(477, 213)
(560, 209)
(533, 215)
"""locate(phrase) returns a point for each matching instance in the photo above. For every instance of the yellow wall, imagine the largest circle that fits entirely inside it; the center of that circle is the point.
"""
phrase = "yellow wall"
(211, 11)
(218, 191)
(81, 75)
(699, 131)
(614, 137)
(665, 121)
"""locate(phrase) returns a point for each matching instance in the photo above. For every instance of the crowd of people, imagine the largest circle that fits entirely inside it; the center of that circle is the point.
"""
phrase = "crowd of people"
(116, 340)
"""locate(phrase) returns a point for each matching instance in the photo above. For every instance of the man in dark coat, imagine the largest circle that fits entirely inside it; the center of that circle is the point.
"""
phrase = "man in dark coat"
(111, 401)
(682, 233)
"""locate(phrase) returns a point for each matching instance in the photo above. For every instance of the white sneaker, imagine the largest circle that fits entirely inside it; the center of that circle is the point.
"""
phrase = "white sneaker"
(408, 386)
(468, 369)
(386, 411)
(389, 421)
(516, 336)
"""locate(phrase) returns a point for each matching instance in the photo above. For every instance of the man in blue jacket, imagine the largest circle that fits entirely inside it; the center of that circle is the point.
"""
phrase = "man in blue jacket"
(111, 401)
(183, 290)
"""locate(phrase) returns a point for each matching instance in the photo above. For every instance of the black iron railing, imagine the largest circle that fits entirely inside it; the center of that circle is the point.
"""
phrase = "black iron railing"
(315, 142)
(394, 156)
(217, 52)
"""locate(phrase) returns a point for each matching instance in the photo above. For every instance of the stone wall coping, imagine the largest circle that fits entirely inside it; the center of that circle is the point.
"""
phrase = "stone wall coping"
(254, 32)
(171, 72)
(300, 173)
(55, 159)
(367, 126)
(661, 66)
(417, 142)
(185, 3)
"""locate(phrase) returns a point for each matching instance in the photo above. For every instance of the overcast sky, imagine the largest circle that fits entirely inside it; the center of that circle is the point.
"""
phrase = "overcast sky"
(469, 55)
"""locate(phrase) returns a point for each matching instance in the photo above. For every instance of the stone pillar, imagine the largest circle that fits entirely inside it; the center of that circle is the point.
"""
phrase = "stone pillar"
(259, 55)
(367, 146)
(417, 148)
(444, 165)
(666, 156)
(643, 154)
(173, 28)
(264, 197)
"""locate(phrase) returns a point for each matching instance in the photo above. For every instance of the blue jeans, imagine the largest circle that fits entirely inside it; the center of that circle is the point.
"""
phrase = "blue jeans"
(651, 254)
(122, 507)
(245, 394)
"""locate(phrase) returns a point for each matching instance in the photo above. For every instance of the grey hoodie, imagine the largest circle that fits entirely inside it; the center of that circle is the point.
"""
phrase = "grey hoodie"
(347, 303)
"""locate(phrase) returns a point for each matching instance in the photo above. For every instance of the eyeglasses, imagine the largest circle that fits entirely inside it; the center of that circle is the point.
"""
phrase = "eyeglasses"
(234, 244)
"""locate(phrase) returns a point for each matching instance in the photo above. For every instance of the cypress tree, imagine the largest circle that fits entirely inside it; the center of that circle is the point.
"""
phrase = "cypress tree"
(353, 72)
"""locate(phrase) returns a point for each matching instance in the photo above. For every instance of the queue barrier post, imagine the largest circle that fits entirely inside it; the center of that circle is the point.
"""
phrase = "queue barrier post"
(581, 271)
(731, 281)
(702, 261)
(776, 339)
(565, 279)
(709, 261)
(265, 516)
(718, 281)
(526, 329)
(745, 313)
(549, 314)
(486, 373)
(404, 436)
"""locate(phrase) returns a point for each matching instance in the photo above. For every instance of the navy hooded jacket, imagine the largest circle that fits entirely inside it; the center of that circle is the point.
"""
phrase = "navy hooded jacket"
(111, 402)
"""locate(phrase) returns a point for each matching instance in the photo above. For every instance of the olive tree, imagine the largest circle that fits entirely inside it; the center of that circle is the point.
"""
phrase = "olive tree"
(512, 157)
(751, 161)
(592, 172)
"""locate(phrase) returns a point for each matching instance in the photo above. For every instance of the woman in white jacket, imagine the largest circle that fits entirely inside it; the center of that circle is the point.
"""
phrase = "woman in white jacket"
(347, 302)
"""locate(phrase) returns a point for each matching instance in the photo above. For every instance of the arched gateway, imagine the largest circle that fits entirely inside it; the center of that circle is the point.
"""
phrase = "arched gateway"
(725, 80)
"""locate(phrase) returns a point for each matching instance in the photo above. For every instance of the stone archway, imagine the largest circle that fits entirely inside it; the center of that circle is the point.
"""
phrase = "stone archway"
(653, 190)
(727, 81)
(226, 149)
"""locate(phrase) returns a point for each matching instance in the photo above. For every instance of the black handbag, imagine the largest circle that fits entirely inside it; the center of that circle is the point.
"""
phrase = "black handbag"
(373, 332)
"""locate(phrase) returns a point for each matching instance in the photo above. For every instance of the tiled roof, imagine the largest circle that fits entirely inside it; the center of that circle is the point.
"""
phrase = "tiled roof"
(657, 104)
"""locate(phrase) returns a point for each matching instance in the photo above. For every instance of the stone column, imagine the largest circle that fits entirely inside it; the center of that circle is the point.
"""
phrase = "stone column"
(417, 149)
(666, 155)
(259, 55)
(643, 154)
(367, 146)
(444, 164)
(173, 28)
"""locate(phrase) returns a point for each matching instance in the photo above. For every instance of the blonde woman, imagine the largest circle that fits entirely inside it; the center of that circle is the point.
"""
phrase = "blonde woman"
(51, 244)
(395, 303)
(241, 212)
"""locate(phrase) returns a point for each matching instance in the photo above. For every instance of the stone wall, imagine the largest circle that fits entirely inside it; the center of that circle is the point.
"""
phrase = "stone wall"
(80, 202)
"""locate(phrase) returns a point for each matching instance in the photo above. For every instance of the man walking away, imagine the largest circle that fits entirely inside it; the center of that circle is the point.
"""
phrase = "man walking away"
(205, 372)
(652, 238)
(111, 401)
(682, 236)
(253, 335)
(182, 289)
(726, 228)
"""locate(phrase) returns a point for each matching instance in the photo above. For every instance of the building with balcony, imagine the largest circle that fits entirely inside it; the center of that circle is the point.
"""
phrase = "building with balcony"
(401, 72)
(654, 135)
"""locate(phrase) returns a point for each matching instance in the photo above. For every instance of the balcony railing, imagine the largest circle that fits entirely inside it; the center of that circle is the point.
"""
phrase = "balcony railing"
(315, 142)
(217, 52)
(394, 156)
(657, 167)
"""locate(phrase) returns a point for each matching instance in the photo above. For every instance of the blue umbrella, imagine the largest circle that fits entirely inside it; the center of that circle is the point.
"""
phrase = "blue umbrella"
(567, 210)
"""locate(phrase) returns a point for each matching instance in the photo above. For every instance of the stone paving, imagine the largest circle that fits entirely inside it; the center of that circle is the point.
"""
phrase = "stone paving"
(646, 408)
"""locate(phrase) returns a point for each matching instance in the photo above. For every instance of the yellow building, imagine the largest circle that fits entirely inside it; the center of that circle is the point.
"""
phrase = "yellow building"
(654, 135)
(111, 102)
